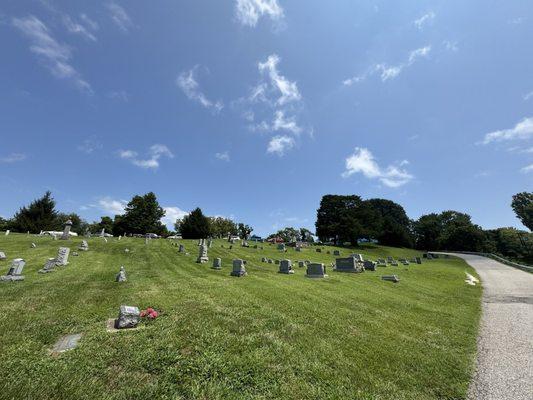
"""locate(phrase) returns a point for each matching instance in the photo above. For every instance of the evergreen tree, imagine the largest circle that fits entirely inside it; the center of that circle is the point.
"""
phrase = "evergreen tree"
(522, 205)
(143, 215)
(38, 215)
(194, 226)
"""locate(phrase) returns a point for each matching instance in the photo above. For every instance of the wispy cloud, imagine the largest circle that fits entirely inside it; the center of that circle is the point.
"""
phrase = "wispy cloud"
(119, 95)
(363, 161)
(424, 20)
(171, 215)
(156, 152)
(521, 131)
(450, 46)
(111, 206)
(84, 29)
(288, 90)
(187, 82)
(279, 145)
(528, 96)
(527, 169)
(248, 12)
(224, 156)
(120, 17)
(13, 157)
(389, 72)
(54, 55)
(90, 145)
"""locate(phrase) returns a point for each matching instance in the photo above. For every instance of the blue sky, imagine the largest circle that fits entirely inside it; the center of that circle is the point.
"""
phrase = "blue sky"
(254, 109)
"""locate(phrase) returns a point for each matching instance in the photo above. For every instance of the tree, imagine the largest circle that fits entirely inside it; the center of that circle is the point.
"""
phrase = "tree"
(427, 232)
(143, 215)
(522, 205)
(222, 227)
(306, 235)
(38, 215)
(193, 226)
(79, 225)
(105, 223)
(288, 235)
(5, 224)
(244, 231)
(396, 226)
(328, 221)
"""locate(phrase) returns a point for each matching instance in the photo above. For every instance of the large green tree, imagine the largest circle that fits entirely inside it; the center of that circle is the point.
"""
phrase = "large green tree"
(523, 207)
(222, 227)
(396, 225)
(79, 225)
(194, 225)
(244, 230)
(39, 215)
(143, 215)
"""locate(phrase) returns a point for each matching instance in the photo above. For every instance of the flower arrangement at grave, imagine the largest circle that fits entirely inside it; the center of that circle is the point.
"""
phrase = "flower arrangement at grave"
(149, 313)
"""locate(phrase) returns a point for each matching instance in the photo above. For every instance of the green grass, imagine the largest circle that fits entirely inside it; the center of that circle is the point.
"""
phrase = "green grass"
(264, 336)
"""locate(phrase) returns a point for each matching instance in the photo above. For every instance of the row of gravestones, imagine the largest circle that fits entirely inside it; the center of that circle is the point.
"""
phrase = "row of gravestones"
(17, 265)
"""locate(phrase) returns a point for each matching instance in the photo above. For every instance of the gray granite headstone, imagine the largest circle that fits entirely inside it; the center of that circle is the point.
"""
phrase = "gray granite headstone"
(65, 343)
(49, 266)
(418, 260)
(7, 232)
(301, 264)
(181, 249)
(348, 264)
(121, 276)
(217, 263)
(238, 268)
(15, 271)
(84, 246)
(336, 253)
(270, 261)
(33, 246)
(318, 250)
(369, 265)
(62, 256)
(66, 230)
(392, 278)
(285, 267)
(128, 317)
(2, 256)
(202, 254)
(316, 270)
(264, 259)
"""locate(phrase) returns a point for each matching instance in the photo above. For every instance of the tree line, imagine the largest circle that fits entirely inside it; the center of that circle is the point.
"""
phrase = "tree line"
(349, 218)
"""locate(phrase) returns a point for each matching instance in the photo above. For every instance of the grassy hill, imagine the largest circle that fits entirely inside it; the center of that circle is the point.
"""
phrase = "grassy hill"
(263, 336)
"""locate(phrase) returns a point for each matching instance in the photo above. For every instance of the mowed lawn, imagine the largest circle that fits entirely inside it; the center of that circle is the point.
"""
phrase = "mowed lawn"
(263, 336)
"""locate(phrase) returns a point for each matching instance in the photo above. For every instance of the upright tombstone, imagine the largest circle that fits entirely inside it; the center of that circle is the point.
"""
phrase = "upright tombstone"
(238, 268)
(15, 271)
(84, 246)
(2, 256)
(358, 257)
(33, 246)
(281, 246)
(390, 260)
(316, 270)
(217, 263)
(210, 243)
(103, 232)
(200, 242)
(120, 237)
(264, 259)
(181, 249)
(128, 317)
(49, 266)
(66, 230)
(62, 256)
(336, 253)
(285, 267)
(301, 264)
(202, 254)
(318, 250)
(7, 232)
(121, 276)
(369, 265)
(418, 260)
(348, 264)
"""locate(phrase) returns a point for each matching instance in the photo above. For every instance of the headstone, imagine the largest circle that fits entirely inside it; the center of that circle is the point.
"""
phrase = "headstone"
(48, 266)
(336, 253)
(62, 256)
(264, 259)
(54, 236)
(33, 246)
(15, 271)
(281, 246)
(316, 270)
(126, 250)
(84, 246)
(418, 260)
(301, 264)
(318, 250)
(231, 246)
(103, 232)
(348, 264)
(369, 265)
(238, 268)
(7, 232)
(181, 249)
(120, 237)
(276, 262)
(2, 256)
(358, 257)
(199, 242)
(75, 254)
(285, 267)
(128, 317)
(245, 244)
(270, 261)
(66, 230)
(298, 248)
(202, 254)
(217, 263)
(67, 342)
(391, 278)
(390, 260)
(121, 276)
(210, 243)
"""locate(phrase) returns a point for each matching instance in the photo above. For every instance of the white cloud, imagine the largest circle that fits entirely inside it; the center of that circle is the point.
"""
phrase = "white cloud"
(280, 145)
(120, 17)
(111, 206)
(522, 130)
(89, 22)
(155, 153)
(90, 145)
(248, 12)
(528, 96)
(424, 20)
(450, 46)
(54, 55)
(80, 29)
(186, 81)
(171, 215)
(363, 161)
(119, 95)
(283, 123)
(288, 90)
(222, 156)
(389, 72)
(527, 169)
(13, 157)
